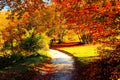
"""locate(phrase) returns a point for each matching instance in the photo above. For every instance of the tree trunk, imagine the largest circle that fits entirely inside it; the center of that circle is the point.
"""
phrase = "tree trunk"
(84, 39)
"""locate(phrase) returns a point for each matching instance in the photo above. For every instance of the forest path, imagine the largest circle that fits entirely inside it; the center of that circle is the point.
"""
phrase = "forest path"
(61, 67)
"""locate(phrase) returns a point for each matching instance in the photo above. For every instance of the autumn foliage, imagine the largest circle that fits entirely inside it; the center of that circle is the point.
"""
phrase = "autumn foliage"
(92, 21)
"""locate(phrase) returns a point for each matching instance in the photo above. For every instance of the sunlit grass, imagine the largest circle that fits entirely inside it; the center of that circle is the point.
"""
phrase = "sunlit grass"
(83, 52)
(45, 53)
(33, 60)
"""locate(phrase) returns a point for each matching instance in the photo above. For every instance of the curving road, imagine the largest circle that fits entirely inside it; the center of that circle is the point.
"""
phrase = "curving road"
(64, 66)
(61, 67)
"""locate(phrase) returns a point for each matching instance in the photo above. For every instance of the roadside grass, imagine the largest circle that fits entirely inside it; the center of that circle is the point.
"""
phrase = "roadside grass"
(22, 66)
(31, 61)
(45, 53)
(84, 53)
(10, 60)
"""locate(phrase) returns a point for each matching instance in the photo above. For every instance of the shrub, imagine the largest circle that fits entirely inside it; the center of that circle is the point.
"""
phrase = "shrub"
(33, 44)
(9, 59)
(109, 62)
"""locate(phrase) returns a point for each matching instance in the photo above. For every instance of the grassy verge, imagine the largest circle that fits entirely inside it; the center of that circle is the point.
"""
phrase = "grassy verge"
(22, 67)
(85, 53)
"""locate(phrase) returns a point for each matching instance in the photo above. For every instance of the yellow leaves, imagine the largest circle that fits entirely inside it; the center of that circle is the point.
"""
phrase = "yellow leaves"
(14, 42)
(1, 40)
(3, 20)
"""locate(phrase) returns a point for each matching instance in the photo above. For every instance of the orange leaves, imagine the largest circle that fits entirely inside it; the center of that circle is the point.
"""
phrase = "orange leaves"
(82, 28)
(94, 7)
(26, 15)
(103, 10)
(45, 68)
(24, 19)
(97, 15)
(57, 1)
(108, 4)
(118, 5)
(8, 33)
(12, 23)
